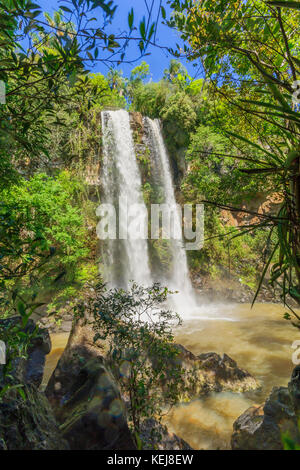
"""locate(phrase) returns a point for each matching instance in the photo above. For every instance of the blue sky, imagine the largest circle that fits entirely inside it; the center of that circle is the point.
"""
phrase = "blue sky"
(158, 59)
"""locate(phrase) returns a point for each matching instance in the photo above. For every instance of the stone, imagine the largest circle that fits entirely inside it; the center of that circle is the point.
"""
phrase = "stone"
(211, 372)
(136, 120)
(28, 424)
(262, 427)
(294, 389)
(27, 421)
(155, 435)
(66, 326)
(30, 370)
(85, 396)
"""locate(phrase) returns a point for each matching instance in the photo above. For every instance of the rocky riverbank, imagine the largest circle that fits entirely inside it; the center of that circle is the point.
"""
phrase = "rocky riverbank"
(82, 407)
(232, 291)
(265, 427)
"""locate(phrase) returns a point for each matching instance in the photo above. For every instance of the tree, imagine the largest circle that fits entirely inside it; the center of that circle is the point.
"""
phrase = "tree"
(136, 327)
(40, 56)
(140, 73)
(44, 66)
(253, 46)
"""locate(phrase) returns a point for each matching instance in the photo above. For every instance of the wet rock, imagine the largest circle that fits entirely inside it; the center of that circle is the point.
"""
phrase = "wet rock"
(136, 121)
(226, 370)
(262, 427)
(211, 372)
(66, 326)
(55, 327)
(94, 415)
(60, 323)
(155, 435)
(294, 389)
(30, 370)
(79, 350)
(28, 423)
(85, 397)
(232, 290)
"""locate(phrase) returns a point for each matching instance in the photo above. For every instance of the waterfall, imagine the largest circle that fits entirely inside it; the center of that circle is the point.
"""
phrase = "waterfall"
(122, 184)
(126, 258)
(179, 280)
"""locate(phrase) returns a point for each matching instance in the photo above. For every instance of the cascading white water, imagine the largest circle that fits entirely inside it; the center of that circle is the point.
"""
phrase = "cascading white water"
(127, 257)
(121, 184)
(184, 301)
(107, 185)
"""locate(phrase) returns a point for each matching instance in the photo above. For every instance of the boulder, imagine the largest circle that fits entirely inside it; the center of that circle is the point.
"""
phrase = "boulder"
(155, 435)
(211, 372)
(262, 427)
(294, 389)
(30, 370)
(55, 327)
(86, 400)
(28, 422)
(85, 397)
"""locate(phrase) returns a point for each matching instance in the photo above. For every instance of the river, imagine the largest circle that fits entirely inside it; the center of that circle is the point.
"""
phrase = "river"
(259, 339)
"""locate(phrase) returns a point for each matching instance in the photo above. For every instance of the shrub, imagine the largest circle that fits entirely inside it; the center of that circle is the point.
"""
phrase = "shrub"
(137, 328)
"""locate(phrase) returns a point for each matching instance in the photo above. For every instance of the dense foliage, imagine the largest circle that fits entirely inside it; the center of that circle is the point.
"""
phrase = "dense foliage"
(249, 52)
(140, 346)
(48, 135)
(232, 136)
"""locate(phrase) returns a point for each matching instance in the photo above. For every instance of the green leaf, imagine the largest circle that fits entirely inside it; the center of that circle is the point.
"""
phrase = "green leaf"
(264, 272)
(90, 56)
(244, 139)
(139, 442)
(284, 116)
(294, 293)
(278, 95)
(143, 29)
(21, 308)
(294, 5)
(141, 46)
(130, 18)
(151, 32)
(66, 9)
(282, 109)
(291, 158)
(33, 6)
(21, 392)
(295, 59)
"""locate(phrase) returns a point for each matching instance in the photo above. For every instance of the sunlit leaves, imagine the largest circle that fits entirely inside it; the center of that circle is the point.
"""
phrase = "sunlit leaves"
(61, 48)
(142, 28)
(137, 328)
(285, 4)
(253, 46)
(130, 18)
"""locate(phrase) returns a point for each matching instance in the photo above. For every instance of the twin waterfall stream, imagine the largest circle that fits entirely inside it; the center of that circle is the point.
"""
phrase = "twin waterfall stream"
(128, 259)
(258, 339)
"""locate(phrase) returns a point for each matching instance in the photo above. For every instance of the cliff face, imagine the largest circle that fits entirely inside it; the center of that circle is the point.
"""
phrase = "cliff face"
(27, 421)
(263, 204)
(233, 285)
(269, 426)
(176, 151)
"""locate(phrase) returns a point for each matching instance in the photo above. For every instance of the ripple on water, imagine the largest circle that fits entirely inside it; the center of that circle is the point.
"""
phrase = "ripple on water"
(259, 339)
